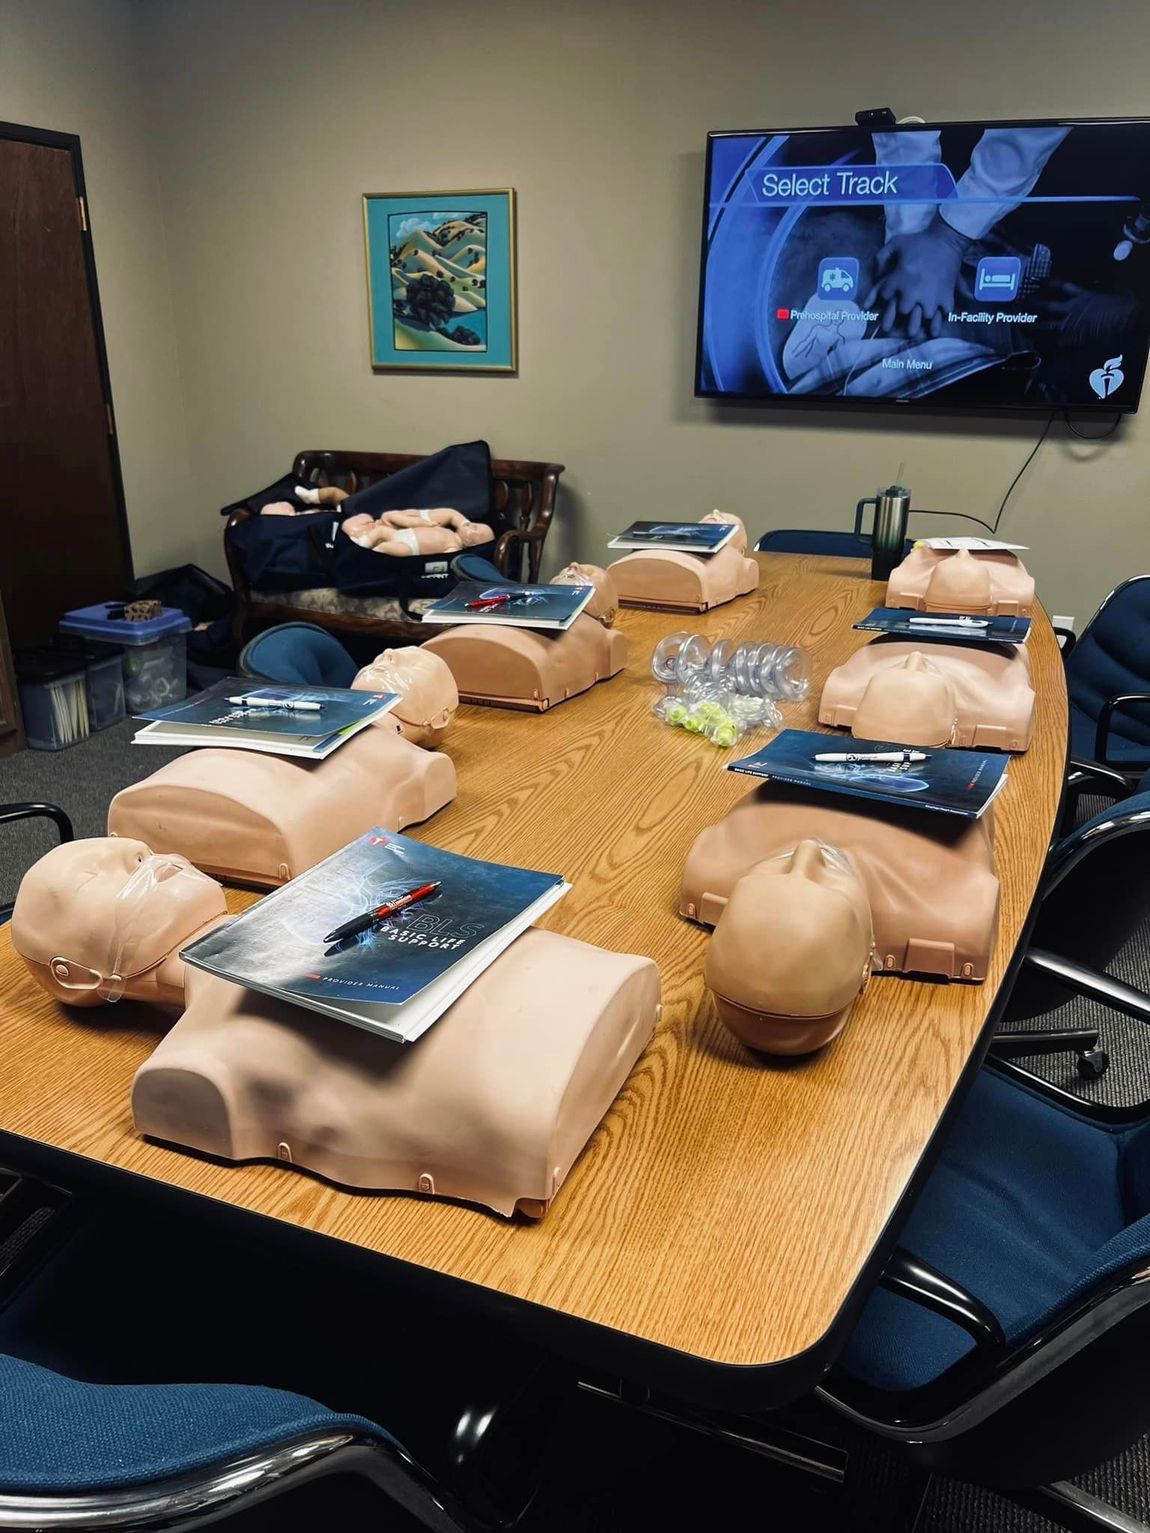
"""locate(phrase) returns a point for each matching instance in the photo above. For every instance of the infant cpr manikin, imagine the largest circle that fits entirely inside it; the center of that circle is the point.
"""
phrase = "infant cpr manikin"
(492, 1105)
(664, 579)
(931, 693)
(261, 819)
(993, 584)
(930, 889)
(529, 668)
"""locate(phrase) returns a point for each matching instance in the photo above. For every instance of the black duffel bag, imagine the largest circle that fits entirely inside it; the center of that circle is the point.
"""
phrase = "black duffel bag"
(306, 551)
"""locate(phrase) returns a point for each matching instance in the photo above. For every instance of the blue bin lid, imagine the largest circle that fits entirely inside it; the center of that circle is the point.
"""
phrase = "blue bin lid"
(94, 623)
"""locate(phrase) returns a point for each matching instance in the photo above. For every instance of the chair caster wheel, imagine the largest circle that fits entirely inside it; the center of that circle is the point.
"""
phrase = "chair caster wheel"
(1093, 1062)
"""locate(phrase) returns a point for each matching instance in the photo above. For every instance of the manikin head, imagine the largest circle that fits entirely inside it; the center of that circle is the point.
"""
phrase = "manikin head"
(910, 702)
(427, 691)
(605, 603)
(472, 534)
(792, 950)
(102, 918)
(960, 583)
(358, 526)
(739, 541)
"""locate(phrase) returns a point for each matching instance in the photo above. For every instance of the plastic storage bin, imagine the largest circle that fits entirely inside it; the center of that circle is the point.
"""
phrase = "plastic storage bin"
(53, 700)
(103, 675)
(154, 653)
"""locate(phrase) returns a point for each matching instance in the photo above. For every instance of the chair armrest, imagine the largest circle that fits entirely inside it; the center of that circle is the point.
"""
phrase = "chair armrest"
(1109, 708)
(1045, 1041)
(1088, 777)
(1068, 635)
(10, 812)
(501, 553)
(911, 1278)
(1090, 983)
(1093, 777)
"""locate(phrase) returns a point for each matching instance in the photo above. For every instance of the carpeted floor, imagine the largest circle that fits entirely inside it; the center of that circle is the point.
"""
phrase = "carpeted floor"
(81, 780)
(610, 1472)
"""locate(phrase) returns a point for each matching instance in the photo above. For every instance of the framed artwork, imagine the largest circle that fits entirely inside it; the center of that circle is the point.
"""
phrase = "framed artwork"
(441, 281)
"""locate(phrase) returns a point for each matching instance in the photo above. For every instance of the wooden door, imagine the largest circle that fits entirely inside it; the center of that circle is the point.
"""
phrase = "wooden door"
(63, 538)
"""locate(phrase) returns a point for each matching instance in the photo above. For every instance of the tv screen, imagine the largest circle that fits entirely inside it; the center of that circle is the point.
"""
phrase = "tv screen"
(966, 265)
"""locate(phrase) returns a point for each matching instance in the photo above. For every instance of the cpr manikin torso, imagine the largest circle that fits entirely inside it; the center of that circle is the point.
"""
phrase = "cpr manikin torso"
(427, 690)
(662, 578)
(930, 883)
(261, 819)
(993, 584)
(492, 1105)
(529, 668)
(933, 694)
(792, 950)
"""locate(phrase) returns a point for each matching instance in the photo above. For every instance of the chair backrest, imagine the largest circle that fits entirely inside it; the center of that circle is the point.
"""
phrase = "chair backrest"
(476, 567)
(299, 654)
(522, 492)
(1113, 656)
(811, 540)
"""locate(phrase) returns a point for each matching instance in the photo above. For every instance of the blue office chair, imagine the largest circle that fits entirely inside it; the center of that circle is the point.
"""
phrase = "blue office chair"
(299, 654)
(1095, 892)
(12, 812)
(810, 540)
(1108, 681)
(1005, 1341)
(152, 1456)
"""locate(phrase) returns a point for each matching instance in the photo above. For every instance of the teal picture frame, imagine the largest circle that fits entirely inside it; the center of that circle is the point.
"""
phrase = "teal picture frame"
(441, 281)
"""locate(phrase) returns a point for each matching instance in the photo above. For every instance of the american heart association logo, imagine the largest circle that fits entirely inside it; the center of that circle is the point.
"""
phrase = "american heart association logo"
(1105, 379)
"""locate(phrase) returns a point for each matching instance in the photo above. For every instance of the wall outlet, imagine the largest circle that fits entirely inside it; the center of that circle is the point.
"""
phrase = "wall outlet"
(1061, 621)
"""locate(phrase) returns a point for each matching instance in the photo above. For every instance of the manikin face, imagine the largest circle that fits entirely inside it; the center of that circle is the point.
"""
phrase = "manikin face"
(960, 583)
(109, 905)
(424, 682)
(605, 603)
(792, 950)
(910, 702)
(727, 519)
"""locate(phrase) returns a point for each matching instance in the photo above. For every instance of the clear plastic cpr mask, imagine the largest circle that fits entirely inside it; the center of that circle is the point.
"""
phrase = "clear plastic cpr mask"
(140, 939)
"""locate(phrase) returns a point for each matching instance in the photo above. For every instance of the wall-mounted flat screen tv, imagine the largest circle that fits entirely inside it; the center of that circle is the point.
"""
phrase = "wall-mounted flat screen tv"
(1000, 266)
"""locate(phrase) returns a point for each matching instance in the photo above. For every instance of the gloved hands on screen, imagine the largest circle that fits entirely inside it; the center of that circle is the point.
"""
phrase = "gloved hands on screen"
(1082, 316)
(916, 276)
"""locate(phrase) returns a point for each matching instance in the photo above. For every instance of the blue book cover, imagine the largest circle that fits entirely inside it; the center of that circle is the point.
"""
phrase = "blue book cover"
(678, 537)
(397, 976)
(953, 627)
(538, 606)
(945, 781)
(282, 720)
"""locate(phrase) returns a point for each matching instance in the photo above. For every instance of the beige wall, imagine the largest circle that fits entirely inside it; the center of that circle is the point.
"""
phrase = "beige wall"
(271, 117)
(77, 66)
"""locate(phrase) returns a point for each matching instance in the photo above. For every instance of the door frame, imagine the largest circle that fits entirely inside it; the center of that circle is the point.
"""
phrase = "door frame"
(48, 138)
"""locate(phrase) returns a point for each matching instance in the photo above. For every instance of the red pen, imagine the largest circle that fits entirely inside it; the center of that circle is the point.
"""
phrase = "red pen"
(366, 921)
(485, 603)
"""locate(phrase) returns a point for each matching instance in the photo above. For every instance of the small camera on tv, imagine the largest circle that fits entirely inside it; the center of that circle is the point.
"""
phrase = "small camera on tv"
(876, 117)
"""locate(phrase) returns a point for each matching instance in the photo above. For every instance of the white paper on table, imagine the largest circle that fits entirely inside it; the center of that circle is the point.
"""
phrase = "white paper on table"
(976, 545)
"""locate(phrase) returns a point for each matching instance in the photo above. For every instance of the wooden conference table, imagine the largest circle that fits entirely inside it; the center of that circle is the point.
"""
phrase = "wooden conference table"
(728, 1206)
